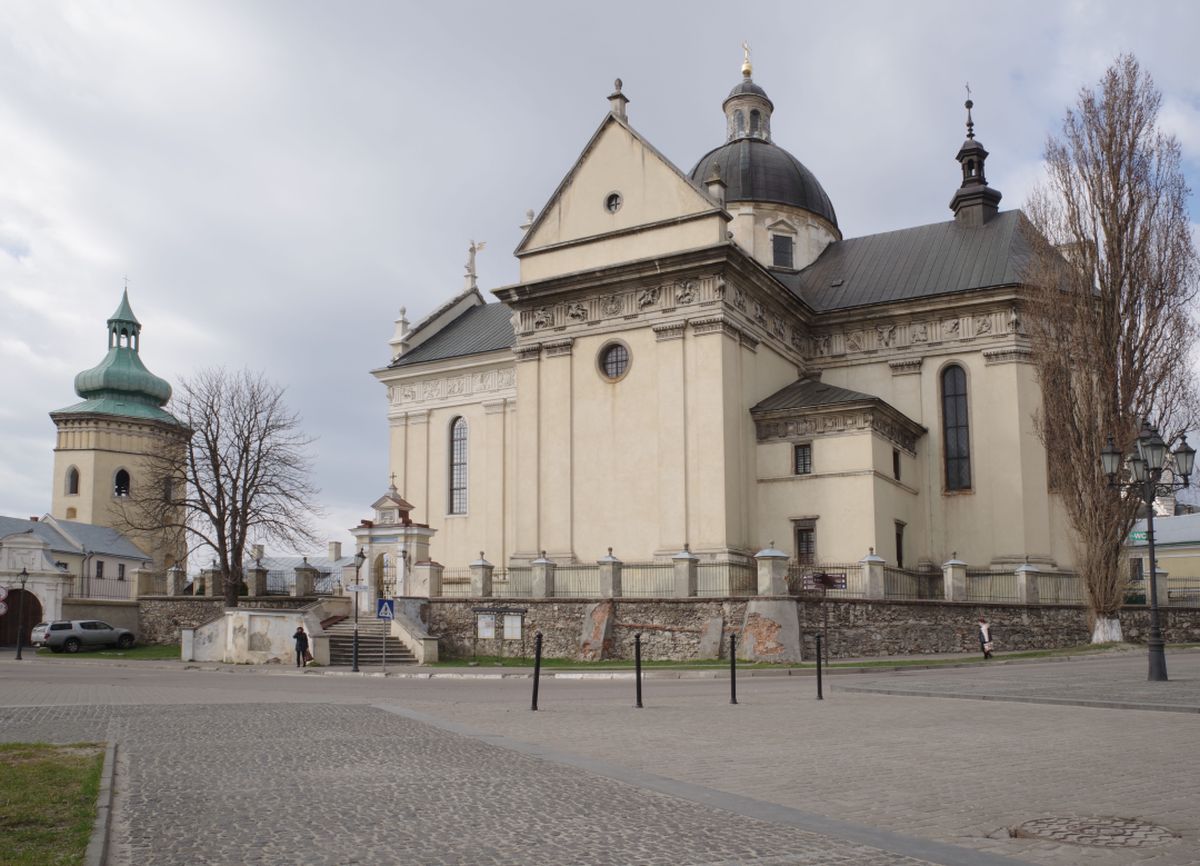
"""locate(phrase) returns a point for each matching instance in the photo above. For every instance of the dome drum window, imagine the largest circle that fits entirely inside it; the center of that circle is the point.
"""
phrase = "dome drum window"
(613, 361)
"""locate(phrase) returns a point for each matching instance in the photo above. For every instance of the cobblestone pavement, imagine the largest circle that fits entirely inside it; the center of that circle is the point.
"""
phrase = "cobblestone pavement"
(245, 782)
(688, 779)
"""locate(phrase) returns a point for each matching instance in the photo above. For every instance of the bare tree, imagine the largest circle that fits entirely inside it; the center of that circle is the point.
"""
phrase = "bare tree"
(1113, 278)
(244, 473)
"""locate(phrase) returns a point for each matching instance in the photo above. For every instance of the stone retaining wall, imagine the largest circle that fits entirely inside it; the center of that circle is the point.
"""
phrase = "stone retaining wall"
(685, 629)
(161, 617)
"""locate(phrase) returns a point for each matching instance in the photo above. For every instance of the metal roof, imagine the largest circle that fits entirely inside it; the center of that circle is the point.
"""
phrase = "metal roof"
(757, 170)
(479, 329)
(80, 538)
(923, 261)
(808, 394)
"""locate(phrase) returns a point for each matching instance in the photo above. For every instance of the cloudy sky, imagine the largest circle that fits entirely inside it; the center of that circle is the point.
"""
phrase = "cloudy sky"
(276, 179)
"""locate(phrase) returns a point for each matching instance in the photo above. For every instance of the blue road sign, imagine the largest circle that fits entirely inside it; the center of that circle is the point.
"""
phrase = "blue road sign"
(385, 608)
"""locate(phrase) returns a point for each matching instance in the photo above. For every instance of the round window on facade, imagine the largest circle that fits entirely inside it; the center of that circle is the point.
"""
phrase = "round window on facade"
(614, 361)
(612, 203)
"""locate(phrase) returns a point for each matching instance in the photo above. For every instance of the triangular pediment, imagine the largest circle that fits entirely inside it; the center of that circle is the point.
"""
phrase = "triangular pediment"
(616, 162)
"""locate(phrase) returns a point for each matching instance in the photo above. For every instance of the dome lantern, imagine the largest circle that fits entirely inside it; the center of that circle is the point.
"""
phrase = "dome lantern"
(747, 108)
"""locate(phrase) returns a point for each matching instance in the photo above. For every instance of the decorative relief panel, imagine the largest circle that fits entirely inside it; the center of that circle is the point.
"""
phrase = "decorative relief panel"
(835, 423)
(454, 387)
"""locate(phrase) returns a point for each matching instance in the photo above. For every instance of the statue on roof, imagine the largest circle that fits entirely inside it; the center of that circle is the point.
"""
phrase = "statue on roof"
(471, 251)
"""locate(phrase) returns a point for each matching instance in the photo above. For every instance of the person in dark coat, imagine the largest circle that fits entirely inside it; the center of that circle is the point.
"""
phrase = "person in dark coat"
(985, 638)
(301, 640)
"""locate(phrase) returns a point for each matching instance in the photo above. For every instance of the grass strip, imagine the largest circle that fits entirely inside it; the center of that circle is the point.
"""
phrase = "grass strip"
(48, 801)
(149, 652)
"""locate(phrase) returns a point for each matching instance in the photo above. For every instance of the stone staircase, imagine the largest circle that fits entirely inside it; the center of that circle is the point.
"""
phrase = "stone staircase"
(370, 644)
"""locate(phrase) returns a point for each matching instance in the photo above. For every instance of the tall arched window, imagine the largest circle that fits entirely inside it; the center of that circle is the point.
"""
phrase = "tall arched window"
(72, 481)
(121, 483)
(739, 121)
(458, 466)
(956, 433)
(754, 118)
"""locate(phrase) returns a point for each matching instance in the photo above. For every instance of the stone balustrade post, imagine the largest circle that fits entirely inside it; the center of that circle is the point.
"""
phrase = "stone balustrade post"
(176, 579)
(543, 577)
(954, 579)
(213, 585)
(256, 580)
(873, 574)
(1027, 585)
(144, 583)
(772, 570)
(610, 575)
(306, 579)
(481, 577)
(686, 572)
(426, 579)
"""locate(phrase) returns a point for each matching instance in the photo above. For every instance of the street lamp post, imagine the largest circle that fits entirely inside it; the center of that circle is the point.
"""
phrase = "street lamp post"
(359, 559)
(1145, 466)
(23, 577)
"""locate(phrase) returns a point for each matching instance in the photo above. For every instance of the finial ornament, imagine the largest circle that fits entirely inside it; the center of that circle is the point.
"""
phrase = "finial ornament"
(471, 251)
(747, 69)
(617, 85)
(969, 105)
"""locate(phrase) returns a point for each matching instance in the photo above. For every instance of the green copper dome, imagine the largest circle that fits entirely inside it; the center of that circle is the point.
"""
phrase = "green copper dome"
(120, 384)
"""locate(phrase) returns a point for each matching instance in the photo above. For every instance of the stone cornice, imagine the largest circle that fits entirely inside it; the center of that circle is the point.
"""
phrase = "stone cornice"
(452, 389)
(1018, 353)
(867, 415)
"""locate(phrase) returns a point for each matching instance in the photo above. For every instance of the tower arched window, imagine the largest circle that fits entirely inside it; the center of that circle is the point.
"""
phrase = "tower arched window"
(458, 466)
(72, 481)
(956, 431)
(121, 483)
(739, 121)
(755, 119)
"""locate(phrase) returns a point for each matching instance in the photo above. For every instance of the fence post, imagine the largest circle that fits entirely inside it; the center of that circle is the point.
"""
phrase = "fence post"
(543, 577)
(211, 580)
(426, 579)
(684, 564)
(610, 575)
(1161, 587)
(1027, 584)
(820, 695)
(637, 664)
(256, 579)
(537, 667)
(772, 570)
(733, 668)
(145, 582)
(873, 574)
(306, 578)
(481, 577)
(176, 578)
(954, 579)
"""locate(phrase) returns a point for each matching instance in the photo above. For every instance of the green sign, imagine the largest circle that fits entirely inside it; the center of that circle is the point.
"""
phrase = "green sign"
(1137, 535)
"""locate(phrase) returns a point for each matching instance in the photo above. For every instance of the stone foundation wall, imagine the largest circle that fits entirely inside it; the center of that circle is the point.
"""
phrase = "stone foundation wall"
(161, 617)
(685, 629)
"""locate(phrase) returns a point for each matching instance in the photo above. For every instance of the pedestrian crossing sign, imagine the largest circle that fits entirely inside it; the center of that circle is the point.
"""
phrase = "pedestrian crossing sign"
(385, 608)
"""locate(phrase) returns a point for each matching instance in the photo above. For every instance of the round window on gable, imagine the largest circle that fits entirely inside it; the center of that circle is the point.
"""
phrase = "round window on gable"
(613, 361)
(612, 203)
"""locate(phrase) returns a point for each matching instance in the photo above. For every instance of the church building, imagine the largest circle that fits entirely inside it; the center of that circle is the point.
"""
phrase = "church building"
(700, 359)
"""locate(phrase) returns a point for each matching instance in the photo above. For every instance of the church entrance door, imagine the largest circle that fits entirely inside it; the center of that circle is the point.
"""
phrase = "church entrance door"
(30, 615)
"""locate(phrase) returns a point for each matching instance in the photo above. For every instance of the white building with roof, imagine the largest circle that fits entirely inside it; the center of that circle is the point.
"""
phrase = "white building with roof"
(702, 359)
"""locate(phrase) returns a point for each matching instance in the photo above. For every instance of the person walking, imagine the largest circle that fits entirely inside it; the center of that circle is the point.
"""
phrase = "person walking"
(985, 638)
(301, 640)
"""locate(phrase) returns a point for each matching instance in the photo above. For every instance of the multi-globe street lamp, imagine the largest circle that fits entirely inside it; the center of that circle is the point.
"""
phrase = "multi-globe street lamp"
(359, 559)
(1145, 464)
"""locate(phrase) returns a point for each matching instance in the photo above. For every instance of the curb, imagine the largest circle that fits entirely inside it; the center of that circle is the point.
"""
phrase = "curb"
(97, 849)
(1024, 699)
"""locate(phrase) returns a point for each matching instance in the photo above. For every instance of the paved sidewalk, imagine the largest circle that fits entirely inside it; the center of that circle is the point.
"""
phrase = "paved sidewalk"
(291, 761)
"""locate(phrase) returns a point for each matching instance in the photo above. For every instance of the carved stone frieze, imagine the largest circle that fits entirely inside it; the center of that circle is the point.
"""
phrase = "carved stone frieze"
(529, 352)
(834, 423)
(612, 305)
(905, 366)
(686, 292)
(557, 348)
(542, 318)
(1008, 355)
(884, 334)
(577, 312)
(918, 332)
(714, 325)
(454, 387)
(648, 297)
(669, 331)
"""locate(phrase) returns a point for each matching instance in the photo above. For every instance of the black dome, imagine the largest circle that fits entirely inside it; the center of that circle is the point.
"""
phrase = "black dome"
(757, 170)
(747, 86)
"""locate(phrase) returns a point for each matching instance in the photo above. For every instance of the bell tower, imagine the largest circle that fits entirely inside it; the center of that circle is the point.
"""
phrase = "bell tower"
(974, 202)
(103, 441)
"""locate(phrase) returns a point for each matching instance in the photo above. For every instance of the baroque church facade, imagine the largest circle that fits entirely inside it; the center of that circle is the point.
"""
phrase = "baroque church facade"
(701, 360)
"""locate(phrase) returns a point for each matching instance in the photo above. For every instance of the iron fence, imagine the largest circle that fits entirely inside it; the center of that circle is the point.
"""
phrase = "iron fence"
(1059, 587)
(577, 581)
(983, 584)
(515, 582)
(911, 585)
(653, 579)
(456, 582)
(802, 578)
(113, 588)
(1183, 591)
(726, 578)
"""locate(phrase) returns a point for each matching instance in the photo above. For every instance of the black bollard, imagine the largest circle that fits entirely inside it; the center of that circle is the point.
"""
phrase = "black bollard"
(733, 669)
(820, 697)
(537, 666)
(637, 667)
